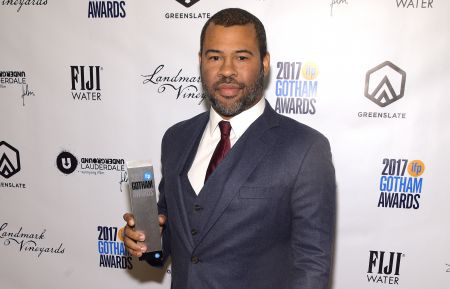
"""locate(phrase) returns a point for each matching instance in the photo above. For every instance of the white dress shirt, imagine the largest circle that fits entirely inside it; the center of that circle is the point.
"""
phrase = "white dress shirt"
(211, 137)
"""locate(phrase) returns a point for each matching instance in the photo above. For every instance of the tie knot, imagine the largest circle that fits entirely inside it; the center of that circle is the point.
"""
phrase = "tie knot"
(225, 129)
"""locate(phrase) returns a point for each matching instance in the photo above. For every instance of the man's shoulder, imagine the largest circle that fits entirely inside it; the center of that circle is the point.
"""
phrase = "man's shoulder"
(294, 130)
(188, 125)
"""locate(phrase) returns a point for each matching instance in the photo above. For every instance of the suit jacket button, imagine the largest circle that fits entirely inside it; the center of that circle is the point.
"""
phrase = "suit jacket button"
(194, 232)
(195, 259)
(197, 207)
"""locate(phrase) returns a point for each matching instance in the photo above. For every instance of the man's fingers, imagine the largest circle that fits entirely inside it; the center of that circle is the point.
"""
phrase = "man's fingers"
(129, 218)
(162, 220)
(135, 248)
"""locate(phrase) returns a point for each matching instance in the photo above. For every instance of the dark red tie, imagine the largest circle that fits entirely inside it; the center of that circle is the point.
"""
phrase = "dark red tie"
(222, 148)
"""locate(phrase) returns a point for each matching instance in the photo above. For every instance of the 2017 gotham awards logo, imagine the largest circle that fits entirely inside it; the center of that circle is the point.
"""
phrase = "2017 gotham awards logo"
(106, 9)
(384, 85)
(86, 83)
(401, 183)
(111, 249)
(296, 87)
(9, 165)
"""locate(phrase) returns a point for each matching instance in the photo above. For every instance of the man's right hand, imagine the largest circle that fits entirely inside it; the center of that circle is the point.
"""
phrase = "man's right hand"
(133, 239)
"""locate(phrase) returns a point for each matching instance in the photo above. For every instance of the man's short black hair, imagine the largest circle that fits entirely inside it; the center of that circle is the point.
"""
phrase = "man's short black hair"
(236, 16)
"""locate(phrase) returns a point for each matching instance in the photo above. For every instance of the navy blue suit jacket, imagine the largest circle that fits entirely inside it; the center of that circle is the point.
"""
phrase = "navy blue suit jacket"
(272, 224)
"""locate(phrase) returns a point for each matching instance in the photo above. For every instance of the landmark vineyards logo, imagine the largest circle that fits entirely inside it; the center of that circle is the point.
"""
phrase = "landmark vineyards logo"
(29, 241)
(16, 78)
(296, 87)
(86, 83)
(106, 9)
(385, 84)
(401, 183)
(384, 267)
(111, 249)
(179, 85)
(20, 3)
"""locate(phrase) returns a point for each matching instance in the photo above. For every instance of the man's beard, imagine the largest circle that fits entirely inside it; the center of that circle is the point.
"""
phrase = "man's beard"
(252, 94)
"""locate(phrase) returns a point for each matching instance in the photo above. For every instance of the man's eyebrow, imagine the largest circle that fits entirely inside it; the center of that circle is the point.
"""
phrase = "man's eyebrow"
(244, 51)
(213, 51)
(237, 51)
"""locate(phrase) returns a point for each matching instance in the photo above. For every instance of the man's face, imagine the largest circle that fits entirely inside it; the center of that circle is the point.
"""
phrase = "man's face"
(231, 69)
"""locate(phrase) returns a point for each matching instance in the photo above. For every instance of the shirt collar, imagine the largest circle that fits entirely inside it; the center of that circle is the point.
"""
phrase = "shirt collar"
(239, 123)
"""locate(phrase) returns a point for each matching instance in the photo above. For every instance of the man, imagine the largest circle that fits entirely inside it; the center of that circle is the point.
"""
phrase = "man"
(264, 216)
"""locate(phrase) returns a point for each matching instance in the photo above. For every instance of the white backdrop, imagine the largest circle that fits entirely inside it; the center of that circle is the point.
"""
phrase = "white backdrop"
(87, 85)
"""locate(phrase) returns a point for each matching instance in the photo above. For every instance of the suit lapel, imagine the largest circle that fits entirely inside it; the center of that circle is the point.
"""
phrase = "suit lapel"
(234, 170)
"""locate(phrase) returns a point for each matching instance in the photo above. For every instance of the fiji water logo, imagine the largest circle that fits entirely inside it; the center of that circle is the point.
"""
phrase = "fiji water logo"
(384, 267)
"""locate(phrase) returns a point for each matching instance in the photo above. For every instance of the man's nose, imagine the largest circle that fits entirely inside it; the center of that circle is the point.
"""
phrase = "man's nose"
(228, 68)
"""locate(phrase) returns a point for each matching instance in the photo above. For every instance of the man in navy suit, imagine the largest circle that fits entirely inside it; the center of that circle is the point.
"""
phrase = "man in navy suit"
(263, 215)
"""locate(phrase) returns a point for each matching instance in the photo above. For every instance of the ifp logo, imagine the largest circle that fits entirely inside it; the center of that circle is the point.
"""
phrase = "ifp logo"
(385, 84)
(9, 160)
(66, 162)
(187, 3)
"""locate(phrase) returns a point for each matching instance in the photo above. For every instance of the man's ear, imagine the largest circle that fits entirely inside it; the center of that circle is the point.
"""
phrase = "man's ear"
(266, 63)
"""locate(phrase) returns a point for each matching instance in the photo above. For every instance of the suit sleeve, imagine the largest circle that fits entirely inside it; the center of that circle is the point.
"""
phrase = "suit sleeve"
(313, 218)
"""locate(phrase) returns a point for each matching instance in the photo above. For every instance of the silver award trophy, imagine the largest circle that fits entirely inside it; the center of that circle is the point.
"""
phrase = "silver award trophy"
(141, 182)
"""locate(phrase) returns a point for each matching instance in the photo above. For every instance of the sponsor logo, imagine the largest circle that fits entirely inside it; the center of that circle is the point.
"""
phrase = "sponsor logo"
(9, 165)
(385, 84)
(33, 242)
(111, 249)
(16, 78)
(68, 163)
(86, 83)
(414, 3)
(384, 267)
(447, 268)
(296, 87)
(335, 3)
(9, 160)
(106, 9)
(20, 3)
(187, 3)
(187, 15)
(401, 184)
(177, 84)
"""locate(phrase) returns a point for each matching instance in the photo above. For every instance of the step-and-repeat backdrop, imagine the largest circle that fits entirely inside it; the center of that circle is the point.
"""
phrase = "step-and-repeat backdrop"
(87, 85)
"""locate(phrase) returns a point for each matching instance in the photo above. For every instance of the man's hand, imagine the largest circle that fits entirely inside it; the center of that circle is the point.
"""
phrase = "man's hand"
(133, 239)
